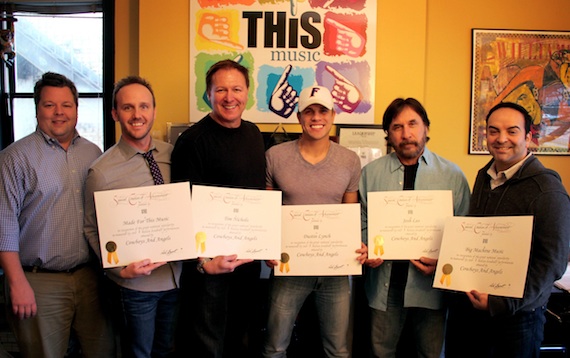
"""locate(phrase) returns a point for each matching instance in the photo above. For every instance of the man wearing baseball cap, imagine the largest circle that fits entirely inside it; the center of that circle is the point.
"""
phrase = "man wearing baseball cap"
(312, 170)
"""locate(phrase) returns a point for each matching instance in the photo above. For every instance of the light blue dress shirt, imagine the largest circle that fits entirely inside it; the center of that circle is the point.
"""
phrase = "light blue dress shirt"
(387, 174)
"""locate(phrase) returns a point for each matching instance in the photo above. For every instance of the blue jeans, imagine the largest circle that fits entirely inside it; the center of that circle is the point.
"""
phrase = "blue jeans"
(519, 335)
(386, 327)
(332, 301)
(149, 319)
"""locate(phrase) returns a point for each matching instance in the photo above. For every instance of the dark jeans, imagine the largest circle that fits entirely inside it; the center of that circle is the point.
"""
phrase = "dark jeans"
(473, 333)
(150, 320)
(220, 313)
(387, 327)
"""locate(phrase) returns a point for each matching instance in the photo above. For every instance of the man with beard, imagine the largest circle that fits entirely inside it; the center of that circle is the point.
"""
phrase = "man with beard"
(400, 291)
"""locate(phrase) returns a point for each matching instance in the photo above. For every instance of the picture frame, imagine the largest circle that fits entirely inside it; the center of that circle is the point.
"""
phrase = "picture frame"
(174, 130)
(368, 141)
(531, 68)
(277, 136)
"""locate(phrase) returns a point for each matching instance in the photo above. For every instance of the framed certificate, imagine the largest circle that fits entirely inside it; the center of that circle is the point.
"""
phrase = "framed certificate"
(368, 141)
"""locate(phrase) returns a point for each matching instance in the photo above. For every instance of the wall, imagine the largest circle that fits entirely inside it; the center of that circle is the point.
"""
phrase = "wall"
(424, 51)
(448, 68)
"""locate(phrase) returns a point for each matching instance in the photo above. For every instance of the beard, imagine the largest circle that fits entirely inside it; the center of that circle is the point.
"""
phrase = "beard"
(409, 153)
(410, 149)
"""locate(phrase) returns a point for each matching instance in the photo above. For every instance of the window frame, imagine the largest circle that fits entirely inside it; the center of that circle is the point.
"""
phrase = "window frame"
(8, 91)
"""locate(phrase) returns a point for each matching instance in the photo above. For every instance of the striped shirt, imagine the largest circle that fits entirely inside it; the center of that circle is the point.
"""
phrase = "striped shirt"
(41, 200)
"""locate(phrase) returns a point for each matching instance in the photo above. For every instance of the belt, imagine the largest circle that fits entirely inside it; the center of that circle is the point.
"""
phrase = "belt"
(37, 269)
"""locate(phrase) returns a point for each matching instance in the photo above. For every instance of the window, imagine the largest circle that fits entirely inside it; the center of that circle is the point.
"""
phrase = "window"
(73, 43)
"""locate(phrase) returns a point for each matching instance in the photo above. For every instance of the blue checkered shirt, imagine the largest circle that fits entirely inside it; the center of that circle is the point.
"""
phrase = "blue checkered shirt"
(41, 200)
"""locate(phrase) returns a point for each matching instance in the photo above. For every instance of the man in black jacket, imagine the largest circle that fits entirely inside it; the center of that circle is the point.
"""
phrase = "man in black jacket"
(513, 183)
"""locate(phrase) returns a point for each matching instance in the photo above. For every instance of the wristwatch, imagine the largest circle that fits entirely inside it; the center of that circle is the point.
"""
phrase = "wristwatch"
(200, 265)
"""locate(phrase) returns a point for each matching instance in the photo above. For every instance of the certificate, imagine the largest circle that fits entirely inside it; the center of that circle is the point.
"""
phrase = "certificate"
(369, 142)
(320, 240)
(153, 222)
(229, 221)
(405, 225)
(487, 254)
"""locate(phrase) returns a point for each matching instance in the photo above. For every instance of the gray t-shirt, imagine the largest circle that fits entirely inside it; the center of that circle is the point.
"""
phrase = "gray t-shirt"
(303, 183)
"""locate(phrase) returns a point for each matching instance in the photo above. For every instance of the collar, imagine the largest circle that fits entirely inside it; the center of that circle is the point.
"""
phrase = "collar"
(499, 178)
(49, 140)
(395, 163)
(130, 151)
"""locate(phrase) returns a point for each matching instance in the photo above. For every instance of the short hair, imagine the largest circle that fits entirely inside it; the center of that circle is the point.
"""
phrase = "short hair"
(130, 80)
(226, 65)
(398, 105)
(52, 79)
(516, 107)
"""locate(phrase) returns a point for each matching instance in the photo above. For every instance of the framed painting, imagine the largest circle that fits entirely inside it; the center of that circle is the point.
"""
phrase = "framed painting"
(530, 68)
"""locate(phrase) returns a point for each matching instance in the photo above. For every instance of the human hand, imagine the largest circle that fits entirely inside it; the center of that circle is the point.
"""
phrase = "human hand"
(23, 299)
(344, 92)
(293, 7)
(140, 268)
(479, 300)
(347, 41)
(363, 251)
(373, 263)
(425, 265)
(224, 264)
(284, 97)
(216, 29)
(271, 263)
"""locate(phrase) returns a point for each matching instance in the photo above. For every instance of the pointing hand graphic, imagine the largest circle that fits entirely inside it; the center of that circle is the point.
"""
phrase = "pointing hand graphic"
(344, 92)
(284, 97)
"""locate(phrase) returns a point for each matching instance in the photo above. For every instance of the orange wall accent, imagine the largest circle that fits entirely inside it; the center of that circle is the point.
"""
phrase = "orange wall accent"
(423, 51)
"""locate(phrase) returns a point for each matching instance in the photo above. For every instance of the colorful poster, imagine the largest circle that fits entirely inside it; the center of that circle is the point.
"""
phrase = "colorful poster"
(287, 45)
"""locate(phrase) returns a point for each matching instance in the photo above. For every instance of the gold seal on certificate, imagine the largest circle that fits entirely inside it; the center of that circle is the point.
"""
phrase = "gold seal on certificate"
(378, 245)
(200, 242)
(284, 265)
(447, 269)
(111, 248)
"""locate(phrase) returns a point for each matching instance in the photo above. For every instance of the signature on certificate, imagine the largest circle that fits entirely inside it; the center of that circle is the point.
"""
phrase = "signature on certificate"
(497, 285)
(336, 267)
(168, 252)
